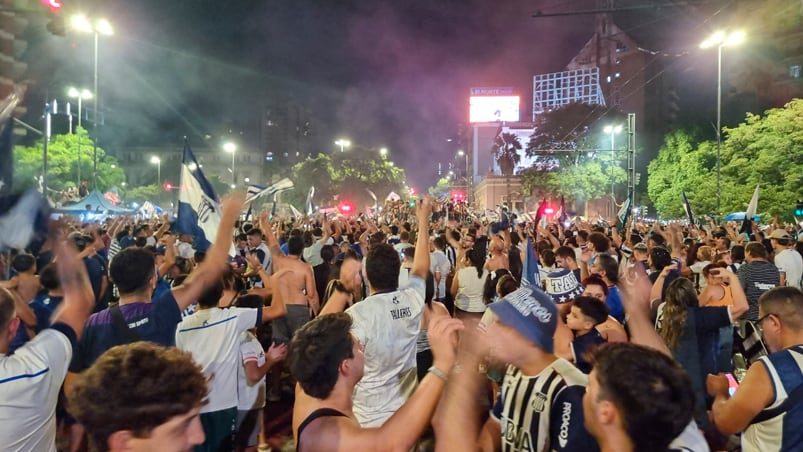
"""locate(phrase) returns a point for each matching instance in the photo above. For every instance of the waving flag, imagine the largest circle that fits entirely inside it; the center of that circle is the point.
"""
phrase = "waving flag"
(530, 276)
(375, 207)
(198, 206)
(562, 216)
(296, 212)
(22, 216)
(687, 207)
(624, 214)
(255, 191)
(747, 224)
(309, 205)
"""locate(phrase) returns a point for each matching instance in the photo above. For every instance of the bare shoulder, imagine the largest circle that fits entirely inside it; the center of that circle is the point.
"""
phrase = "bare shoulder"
(331, 434)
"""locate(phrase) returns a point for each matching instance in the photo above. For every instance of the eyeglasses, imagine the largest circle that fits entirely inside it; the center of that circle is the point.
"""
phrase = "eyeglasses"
(761, 320)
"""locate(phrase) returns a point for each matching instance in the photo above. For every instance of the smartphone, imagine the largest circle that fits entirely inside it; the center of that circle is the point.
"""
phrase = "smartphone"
(732, 384)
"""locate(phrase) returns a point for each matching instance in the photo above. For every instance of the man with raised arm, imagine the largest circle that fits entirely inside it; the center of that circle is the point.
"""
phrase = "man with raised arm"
(328, 361)
(138, 317)
(31, 378)
(387, 323)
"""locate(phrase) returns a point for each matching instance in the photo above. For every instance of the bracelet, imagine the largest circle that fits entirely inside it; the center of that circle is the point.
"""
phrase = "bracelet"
(437, 372)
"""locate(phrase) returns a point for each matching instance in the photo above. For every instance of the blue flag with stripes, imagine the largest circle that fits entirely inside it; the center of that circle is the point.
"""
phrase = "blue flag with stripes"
(198, 206)
(530, 276)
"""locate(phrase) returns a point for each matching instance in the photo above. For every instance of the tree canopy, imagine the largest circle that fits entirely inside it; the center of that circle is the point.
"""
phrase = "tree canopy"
(346, 175)
(63, 159)
(763, 150)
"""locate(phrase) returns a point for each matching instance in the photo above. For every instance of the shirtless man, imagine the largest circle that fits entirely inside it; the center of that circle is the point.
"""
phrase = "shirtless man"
(26, 283)
(302, 296)
(498, 257)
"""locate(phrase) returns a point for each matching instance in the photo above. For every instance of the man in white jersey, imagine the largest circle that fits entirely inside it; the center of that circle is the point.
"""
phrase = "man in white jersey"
(31, 378)
(768, 405)
(787, 259)
(387, 323)
(540, 405)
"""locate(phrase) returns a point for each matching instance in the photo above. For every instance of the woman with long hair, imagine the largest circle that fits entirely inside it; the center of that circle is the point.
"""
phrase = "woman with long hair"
(692, 332)
(468, 287)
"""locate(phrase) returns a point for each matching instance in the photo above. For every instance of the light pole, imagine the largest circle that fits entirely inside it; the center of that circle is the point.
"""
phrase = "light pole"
(612, 131)
(81, 95)
(462, 153)
(343, 144)
(383, 152)
(232, 149)
(99, 27)
(721, 39)
(158, 162)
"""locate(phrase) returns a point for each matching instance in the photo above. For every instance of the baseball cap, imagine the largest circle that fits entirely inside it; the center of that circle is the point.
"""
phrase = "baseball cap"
(562, 286)
(532, 313)
(780, 234)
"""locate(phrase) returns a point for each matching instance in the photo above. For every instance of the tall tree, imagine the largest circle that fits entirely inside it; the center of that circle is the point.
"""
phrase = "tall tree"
(63, 160)
(505, 150)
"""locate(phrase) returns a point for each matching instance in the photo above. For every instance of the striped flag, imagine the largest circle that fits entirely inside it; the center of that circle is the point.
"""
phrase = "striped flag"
(375, 207)
(198, 206)
(255, 191)
(530, 276)
(296, 212)
(687, 207)
(310, 207)
(21, 217)
(624, 214)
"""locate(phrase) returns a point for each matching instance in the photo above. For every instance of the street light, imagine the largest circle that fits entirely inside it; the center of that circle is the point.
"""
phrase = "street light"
(343, 144)
(383, 152)
(232, 149)
(99, 27)
(462, 153)
(81, 95)
(721, 39)
(612, 131)
(158, 162)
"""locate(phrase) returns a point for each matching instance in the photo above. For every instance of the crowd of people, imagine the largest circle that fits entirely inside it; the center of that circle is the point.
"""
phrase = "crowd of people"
(410, 330)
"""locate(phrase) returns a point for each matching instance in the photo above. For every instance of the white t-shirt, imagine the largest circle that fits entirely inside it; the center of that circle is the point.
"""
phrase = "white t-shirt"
(30, 382)
(697, 268)
(790, 263)
(387, 325)
(185, 250)
(213, 338)
(470, 290)
(439, 263)
(250, 396)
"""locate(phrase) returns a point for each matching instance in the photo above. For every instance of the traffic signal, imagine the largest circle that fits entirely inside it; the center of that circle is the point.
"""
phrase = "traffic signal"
(54, 5)
(168, 186)
(799, 209)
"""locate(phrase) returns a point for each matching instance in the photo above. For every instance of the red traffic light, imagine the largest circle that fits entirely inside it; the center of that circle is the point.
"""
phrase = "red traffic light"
(458, 196)
(549, 210)
(168, 186)
(346, 208)
(54, 5)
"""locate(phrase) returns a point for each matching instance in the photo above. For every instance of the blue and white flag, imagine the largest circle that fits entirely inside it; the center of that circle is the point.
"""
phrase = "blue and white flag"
(296, 213)
(21, 217)
(687, 207)
(198, 206)
(255, 191)
(375, 208)
(530, 276)
(624, 214)
(309, 205)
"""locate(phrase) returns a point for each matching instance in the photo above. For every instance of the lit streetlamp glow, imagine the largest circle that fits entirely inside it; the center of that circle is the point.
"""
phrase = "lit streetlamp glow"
(80, 94)
(231, 148)
(383, 152)
(720, 39)
(612, 131)
(343, 143)
(158, 162)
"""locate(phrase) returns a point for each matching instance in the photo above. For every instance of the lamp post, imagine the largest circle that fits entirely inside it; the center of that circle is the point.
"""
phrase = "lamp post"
(721, 39)
(612, 131)
(383, 152)
(343, 143)
(81, 95)
(462, 153)
(232, 149)
(99, 27)
(158, 162)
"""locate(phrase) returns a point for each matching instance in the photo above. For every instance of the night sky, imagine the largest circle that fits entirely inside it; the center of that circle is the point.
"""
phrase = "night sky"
(380, 72)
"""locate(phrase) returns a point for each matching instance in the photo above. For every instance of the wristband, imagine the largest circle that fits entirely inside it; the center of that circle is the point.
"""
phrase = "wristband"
(438, 373)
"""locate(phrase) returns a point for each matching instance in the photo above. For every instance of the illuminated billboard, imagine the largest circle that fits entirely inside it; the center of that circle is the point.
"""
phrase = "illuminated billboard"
(493, 108)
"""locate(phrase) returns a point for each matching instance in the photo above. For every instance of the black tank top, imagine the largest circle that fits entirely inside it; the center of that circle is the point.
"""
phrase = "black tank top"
(320, 412)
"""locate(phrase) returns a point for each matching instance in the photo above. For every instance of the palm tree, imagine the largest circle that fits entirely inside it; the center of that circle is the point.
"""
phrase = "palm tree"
(505, 151)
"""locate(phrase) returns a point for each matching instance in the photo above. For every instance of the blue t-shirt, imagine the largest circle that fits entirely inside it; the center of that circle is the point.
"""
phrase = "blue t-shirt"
(154, 322)
(43, 307)
(581, 345)
(614, 302)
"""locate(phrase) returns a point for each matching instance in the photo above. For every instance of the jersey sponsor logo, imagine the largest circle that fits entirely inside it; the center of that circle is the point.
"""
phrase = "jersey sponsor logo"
(566, 417)
(138, 323)
(401, 313)
(519, 439)
(538, 402)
